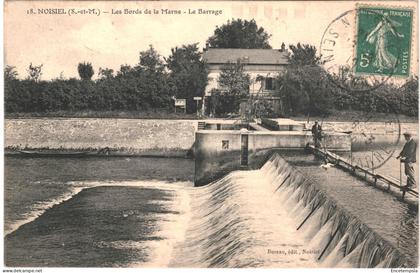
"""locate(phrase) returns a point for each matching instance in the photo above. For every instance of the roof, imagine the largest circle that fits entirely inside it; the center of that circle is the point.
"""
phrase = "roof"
(250, 56)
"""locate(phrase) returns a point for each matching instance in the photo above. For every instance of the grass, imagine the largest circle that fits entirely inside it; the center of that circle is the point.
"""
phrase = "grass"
(170, 114)
(350, 116)
(147, 114)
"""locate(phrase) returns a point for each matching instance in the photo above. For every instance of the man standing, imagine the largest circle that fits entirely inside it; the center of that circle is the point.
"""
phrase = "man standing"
(408, 156)
(316, 134)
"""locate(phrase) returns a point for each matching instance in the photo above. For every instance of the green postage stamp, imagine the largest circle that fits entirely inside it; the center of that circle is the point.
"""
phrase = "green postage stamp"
(383, 41)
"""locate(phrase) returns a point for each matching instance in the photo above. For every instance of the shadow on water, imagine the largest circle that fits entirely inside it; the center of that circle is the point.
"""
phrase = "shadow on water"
(394, 220)
(277, 217)
(101, 226)
(282, 215)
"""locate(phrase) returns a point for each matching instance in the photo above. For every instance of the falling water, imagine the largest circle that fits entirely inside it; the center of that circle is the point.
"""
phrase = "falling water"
(275, 217)
(271, 217)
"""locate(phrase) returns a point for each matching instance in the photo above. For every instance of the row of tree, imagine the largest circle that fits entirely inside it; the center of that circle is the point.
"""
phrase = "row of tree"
(152, 83)
(304, 87)
(307, 88)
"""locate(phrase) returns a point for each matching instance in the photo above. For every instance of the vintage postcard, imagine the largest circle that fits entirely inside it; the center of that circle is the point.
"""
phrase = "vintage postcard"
(210, 134)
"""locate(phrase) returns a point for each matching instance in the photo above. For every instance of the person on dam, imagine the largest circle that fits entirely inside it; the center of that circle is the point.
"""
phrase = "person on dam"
(408, 157)
(317, 134)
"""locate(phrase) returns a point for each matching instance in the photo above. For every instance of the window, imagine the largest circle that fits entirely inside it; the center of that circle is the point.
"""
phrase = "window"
(269, 84)
(225, 144)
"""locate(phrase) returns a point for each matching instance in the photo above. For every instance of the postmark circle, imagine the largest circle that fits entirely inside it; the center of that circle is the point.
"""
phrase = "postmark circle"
(359, 56)
(372, 143)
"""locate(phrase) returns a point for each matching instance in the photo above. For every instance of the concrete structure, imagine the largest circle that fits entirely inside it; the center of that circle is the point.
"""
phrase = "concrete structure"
(283, 124)
(220, 151)
(263, 64)
(213, 142)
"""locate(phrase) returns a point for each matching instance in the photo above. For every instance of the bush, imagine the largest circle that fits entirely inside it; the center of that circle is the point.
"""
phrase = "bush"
(223, 103)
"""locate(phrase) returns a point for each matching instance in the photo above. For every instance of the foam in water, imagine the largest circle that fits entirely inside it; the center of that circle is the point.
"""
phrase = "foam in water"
(172, 226)
(36, 210)
(250, 227)
(343, 240)
(272, 217)
(275, 217)
(172, 229)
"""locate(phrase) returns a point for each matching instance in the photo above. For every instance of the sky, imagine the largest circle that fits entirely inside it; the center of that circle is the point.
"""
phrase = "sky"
(60, 42)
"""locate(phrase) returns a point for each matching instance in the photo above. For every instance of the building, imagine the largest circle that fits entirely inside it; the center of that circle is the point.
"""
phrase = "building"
(258, 63)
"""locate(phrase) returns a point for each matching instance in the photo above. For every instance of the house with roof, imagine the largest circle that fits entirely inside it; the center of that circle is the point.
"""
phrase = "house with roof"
(261, 64)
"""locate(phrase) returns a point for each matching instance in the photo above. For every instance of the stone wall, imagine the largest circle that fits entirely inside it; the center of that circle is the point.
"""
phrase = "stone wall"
(122, 136)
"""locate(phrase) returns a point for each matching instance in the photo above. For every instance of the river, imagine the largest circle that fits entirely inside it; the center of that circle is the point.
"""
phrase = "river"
(131, 212)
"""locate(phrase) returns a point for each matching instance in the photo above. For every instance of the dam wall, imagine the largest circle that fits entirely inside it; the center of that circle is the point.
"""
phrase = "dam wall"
(216, 142)
(274, 216)
(343, 240)
(148, 137)
(218, 152)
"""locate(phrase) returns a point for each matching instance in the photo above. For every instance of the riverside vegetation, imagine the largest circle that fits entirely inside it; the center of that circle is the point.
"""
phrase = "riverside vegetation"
(148, 88)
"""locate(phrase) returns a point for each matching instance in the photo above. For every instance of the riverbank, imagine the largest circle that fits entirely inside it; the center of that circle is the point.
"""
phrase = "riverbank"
(148, 114)
(338, 116)
(140, 137)
(136, 137)
(350, 116)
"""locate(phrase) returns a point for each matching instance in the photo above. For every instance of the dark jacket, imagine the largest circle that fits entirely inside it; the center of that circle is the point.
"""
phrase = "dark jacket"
(316, 129)
(409, 151)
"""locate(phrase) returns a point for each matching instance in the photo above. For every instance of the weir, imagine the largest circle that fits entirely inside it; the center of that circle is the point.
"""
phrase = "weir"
(271, 216)
(338, 237)
(226, 145)
(344, 240)
(276, 217)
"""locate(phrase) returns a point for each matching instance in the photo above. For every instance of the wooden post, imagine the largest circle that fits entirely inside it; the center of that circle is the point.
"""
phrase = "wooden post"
(244, 149)
(372, 164)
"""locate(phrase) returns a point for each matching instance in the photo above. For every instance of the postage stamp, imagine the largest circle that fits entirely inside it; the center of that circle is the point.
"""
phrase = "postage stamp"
(210, 134)
(383, 41)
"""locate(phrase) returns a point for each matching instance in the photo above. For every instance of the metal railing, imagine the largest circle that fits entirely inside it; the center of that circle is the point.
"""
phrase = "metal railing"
(368, 175)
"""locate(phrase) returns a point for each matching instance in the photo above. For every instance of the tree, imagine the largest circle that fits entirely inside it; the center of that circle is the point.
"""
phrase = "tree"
(151, 60)
(283, 47)
(304, 55)
(304, 89)
(10, 73)
(239, 34)
(411, 84)
(105, 73)
(234, 80)
(188, 73)
(85, 71)
(234, 86)
(347, 80)
(34, 72)
(12, 97)
(125, 69)
(152, 81)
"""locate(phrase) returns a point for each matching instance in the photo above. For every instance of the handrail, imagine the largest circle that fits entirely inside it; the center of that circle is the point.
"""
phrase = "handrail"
(390, 180)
